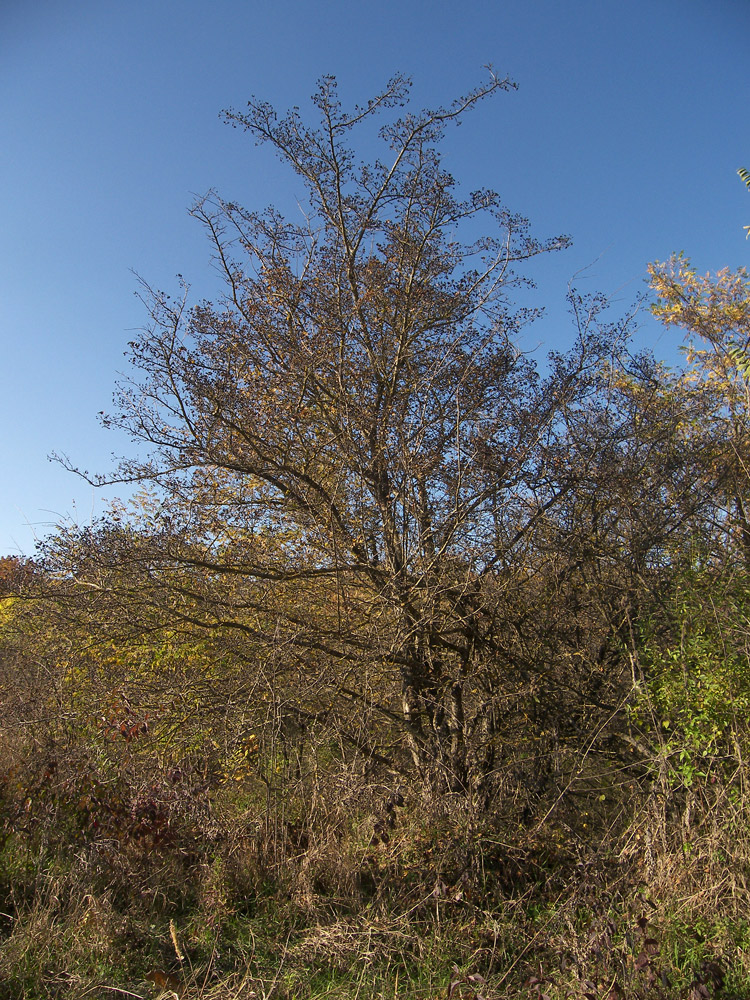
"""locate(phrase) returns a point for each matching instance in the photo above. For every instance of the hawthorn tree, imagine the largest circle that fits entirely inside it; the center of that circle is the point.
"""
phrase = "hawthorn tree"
(352, 465)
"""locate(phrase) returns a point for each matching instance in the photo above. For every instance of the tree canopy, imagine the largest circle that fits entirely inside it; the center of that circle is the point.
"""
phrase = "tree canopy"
(354, 469)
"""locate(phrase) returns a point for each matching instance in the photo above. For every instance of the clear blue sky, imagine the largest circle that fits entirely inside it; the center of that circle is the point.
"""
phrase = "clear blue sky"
(626, 132)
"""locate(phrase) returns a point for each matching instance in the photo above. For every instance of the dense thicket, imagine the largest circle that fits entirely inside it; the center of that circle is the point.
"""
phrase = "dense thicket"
(406, 626)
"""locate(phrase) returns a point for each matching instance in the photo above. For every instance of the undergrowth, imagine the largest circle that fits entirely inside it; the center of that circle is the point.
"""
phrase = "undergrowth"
(145, 851)
(438, 907)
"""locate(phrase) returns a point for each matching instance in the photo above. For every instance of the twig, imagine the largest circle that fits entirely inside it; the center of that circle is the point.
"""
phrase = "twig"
(116, 989)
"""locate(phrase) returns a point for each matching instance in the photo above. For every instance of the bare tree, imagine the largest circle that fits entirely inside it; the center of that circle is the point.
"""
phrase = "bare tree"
(350, 453)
